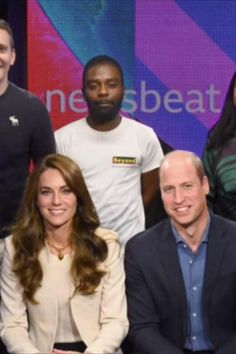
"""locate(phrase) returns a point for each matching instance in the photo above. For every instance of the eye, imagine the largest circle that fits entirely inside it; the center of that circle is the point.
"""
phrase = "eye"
(187, 186)
(45, 192)
(112, 84)
(167, 189)
(92, 86)
(66, 191)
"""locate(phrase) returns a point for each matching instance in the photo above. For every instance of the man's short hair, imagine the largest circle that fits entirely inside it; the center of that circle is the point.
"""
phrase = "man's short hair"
(197, 163)
(4, 25)
(101, 59)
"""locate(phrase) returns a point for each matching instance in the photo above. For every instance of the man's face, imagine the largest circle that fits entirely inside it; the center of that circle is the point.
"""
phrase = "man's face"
(103, 92)
(7, 56)
(183, 193)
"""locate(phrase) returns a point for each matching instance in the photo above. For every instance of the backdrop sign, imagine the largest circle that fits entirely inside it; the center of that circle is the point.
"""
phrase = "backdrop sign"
(178, 58)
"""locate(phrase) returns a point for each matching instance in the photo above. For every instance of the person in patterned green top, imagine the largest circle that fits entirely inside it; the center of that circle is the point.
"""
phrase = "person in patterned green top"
(219, 158)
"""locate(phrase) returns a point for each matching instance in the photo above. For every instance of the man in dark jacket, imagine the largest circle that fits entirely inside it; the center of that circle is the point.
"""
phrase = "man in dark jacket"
(181, 273)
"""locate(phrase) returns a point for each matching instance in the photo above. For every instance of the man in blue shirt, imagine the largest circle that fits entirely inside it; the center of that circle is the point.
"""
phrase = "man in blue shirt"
(181, 274)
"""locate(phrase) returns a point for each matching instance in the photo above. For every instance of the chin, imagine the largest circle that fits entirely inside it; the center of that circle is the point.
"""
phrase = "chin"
(56, 225)
(105, 117)
(184, 221)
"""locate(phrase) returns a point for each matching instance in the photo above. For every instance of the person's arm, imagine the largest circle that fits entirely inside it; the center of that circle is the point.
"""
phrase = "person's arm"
(14, 322)
(208, 163)
(113, 314)
(60, 139)
(152, 155)
(143, 315)
(150, 186)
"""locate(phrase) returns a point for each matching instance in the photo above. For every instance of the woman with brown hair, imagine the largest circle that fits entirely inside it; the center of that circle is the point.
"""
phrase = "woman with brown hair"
(62, 282)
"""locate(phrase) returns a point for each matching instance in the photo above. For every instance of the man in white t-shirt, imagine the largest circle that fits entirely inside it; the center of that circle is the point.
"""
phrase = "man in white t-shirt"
(119, 157)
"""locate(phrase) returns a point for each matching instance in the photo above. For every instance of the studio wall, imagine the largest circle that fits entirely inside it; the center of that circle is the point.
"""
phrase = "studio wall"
(178, 57)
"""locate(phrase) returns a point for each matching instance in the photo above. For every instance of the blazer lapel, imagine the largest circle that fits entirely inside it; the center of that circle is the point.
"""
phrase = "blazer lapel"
(215, 254)
(170, 261)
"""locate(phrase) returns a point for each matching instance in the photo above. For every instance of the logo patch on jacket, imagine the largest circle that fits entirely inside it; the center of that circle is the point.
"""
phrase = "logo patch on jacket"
(14, 121)
(123, 160)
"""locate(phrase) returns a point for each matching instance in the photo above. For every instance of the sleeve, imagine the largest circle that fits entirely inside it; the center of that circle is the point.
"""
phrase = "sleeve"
(113, 314)
(61, 137)
(152, 153)
(42, 140)
(208, 164)
(143, 315)
(14, 323)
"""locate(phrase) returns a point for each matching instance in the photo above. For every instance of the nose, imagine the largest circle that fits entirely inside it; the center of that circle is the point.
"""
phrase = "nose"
(178, 195)
(56, 200)
(103, 90)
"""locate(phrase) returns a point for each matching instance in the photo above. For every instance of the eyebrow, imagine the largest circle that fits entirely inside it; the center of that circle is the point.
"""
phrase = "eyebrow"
(98, 80)
(48, 187)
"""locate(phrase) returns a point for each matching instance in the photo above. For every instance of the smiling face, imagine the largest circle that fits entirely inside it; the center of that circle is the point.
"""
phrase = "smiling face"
(56, 202)
(183, 191)
(7, 58)
(103, 91)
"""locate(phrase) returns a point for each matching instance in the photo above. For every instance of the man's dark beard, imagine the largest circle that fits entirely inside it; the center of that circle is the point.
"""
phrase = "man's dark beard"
(104, 115)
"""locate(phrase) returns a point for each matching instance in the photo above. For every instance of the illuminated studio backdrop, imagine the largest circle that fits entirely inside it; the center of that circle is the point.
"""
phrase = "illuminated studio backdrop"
(177, 56)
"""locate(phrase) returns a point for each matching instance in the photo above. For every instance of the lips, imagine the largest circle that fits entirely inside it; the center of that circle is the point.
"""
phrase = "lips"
(104, 104)
(182, 210)
(56, 211)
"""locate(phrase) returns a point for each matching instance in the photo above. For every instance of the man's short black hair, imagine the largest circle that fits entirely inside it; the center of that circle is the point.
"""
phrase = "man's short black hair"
(102, 59)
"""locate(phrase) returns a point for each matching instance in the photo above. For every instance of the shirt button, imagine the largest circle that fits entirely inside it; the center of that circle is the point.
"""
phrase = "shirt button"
(194, 288)
(185, 246)
(194, 314)
(190, 261)
(194, 338)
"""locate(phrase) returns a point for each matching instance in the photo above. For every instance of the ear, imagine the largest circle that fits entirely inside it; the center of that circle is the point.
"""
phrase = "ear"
(84, 93)
(13, 56)
(205, 184)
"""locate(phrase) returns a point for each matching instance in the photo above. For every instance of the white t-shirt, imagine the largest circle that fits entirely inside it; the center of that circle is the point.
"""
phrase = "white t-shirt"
(112, 163)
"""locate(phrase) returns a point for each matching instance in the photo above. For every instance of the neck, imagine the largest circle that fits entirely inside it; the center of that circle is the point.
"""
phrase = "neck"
(193, 234)
(60, 236)
(3, 86)
(104, 126)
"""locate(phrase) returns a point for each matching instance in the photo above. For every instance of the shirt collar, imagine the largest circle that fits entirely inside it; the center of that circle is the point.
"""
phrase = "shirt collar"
(179, 239)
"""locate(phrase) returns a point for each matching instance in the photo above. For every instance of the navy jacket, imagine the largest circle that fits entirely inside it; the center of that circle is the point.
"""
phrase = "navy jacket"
(157, 306)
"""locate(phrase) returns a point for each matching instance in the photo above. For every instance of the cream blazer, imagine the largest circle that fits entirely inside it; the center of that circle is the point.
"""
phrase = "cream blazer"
(101, 318)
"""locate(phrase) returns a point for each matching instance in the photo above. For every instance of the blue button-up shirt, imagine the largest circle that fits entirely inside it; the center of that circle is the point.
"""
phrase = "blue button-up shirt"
(193, 269)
